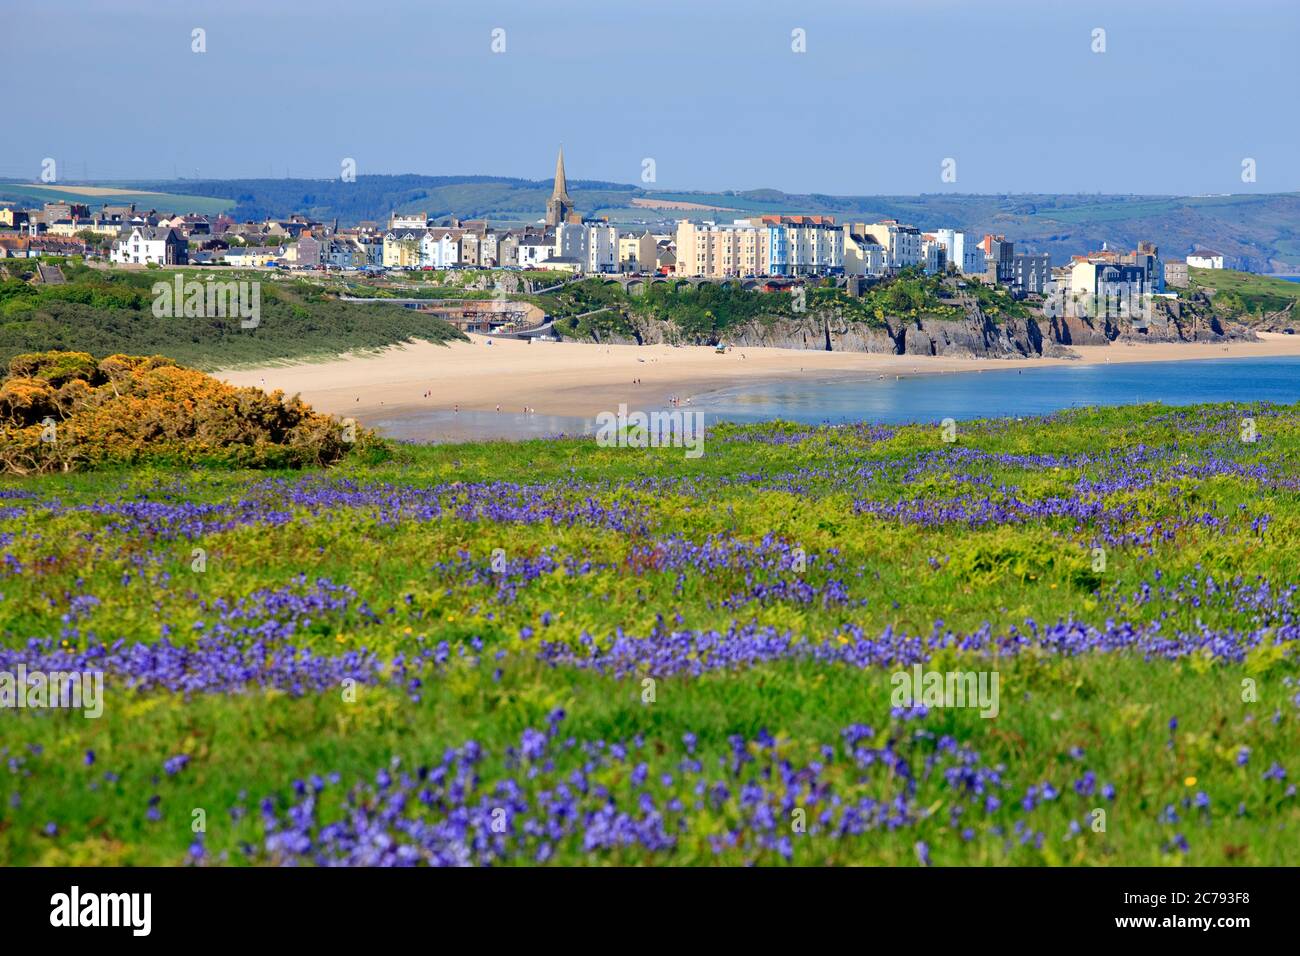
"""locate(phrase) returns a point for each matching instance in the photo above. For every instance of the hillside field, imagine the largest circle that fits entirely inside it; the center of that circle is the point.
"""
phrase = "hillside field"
(29, 194)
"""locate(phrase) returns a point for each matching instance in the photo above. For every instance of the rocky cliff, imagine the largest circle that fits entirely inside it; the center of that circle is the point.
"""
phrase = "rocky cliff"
(973, 336)
(1171, 320)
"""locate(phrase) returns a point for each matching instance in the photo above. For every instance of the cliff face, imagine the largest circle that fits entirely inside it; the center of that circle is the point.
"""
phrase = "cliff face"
(1171, 320)
(973, 336)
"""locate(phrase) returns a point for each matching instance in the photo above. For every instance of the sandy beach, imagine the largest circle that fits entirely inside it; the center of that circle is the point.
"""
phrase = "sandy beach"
(573, 379)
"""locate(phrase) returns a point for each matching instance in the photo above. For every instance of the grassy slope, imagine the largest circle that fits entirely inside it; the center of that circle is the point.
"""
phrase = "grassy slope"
(109, 312)
(1116, 707)
(1255, 293)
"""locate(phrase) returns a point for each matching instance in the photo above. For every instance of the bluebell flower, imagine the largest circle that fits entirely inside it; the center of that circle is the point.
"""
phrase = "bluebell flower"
(174, 765)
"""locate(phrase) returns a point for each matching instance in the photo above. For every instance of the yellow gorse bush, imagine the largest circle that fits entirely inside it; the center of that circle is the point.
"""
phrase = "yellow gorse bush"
(64, 410)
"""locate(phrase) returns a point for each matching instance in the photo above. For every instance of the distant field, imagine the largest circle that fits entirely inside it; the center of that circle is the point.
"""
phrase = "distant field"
(725, 202)
(677, 204)
(1117, 209)
(98, 195)
(1112, 212)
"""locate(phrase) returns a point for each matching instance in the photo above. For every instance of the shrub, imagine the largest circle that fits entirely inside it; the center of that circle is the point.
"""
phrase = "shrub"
(56, 368)
(131, 409)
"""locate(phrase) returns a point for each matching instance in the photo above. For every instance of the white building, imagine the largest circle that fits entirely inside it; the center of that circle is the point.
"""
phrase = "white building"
(934, 254)
(1205, 259)
(415, 220)
(440, 248)
(602, 248)
(964, 252)
(146, 244)
(800, 245)
(534, 250)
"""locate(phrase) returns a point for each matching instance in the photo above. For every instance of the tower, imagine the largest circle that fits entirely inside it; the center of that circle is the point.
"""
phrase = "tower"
(559, 208)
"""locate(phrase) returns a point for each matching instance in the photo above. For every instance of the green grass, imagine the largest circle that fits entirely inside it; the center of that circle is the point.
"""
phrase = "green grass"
(105, 312)
(1244, 292)
(239, 747)
(1157, 469)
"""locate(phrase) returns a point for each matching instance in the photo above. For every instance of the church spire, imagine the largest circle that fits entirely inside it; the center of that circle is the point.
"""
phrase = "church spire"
(561, 190)
(559, 208)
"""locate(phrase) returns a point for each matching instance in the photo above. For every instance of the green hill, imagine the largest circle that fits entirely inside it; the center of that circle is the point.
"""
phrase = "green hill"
(105, 313)
(1244, 293)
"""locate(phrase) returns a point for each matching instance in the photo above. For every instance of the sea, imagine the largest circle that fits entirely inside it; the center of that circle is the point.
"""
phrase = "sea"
(916, 398)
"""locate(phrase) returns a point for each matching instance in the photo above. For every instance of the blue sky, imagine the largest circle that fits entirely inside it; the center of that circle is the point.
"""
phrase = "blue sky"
(886, 91)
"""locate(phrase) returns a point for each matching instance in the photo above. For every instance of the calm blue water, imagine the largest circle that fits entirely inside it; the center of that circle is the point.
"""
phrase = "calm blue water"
(1010, 392)
(920, 398)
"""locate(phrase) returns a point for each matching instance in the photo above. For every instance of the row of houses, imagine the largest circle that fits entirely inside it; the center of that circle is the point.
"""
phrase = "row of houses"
(127, 234)
(568, 246)
(774, 245)
(114, 220)
(1140, 272)
(816, 245)
(409, 241)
